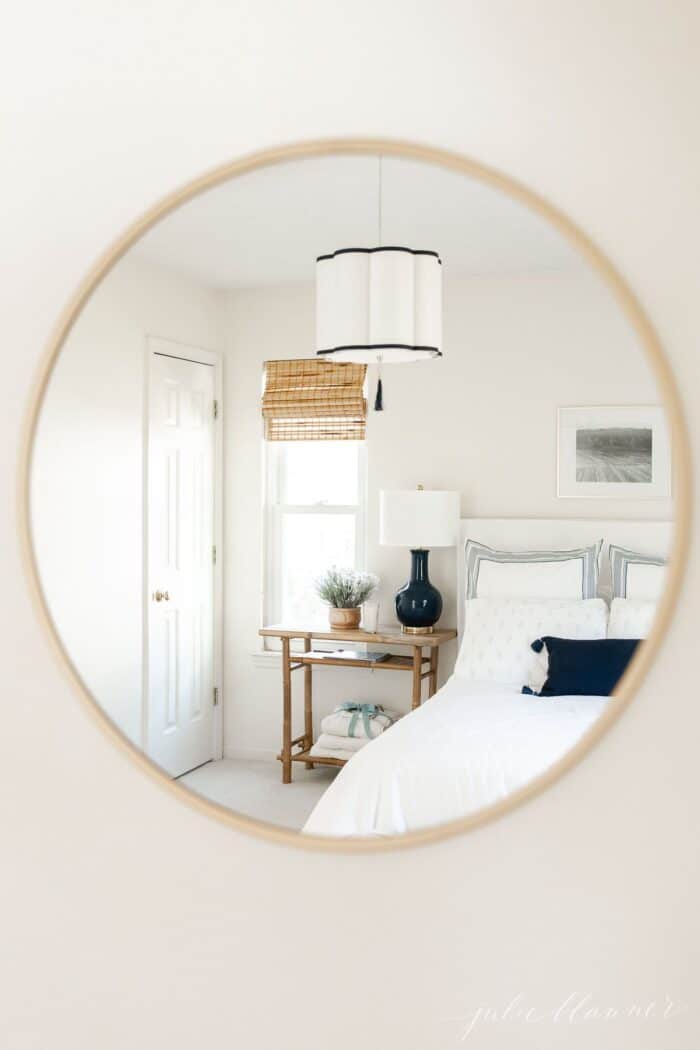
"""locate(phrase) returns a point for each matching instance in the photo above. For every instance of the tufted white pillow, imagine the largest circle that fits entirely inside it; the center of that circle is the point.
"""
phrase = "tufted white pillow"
(498, 633)
(631, 618)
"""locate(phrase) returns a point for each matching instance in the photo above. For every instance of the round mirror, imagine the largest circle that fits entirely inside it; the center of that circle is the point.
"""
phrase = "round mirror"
(351, 493)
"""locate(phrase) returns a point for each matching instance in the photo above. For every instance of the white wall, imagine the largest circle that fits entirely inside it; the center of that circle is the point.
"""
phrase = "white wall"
(129, 918)
(87, 476)
(482, 420)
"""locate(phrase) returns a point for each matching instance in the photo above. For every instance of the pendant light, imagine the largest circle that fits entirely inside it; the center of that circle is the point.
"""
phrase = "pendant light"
(380, 305)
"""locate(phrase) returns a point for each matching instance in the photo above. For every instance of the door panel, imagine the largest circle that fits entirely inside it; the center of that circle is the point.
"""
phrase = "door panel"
(181, 571)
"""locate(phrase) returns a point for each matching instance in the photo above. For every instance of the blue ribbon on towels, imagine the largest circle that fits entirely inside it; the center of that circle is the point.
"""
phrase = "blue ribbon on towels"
(367, 711)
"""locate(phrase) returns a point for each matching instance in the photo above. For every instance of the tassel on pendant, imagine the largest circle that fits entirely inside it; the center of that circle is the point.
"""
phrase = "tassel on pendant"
(378, 402)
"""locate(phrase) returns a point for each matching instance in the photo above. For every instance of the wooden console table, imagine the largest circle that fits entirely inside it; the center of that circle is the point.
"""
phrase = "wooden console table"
(296, 749)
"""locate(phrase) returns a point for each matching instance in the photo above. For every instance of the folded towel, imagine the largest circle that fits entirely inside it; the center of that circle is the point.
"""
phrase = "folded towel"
(352, 722)
(340, 743)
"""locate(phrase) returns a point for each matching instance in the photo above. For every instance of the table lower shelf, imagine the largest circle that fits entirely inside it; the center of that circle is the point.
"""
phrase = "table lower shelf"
(306, 756)
(392, 663)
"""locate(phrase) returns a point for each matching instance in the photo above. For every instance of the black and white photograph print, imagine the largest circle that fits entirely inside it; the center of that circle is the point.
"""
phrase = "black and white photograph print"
(610, 454)
(614, 453)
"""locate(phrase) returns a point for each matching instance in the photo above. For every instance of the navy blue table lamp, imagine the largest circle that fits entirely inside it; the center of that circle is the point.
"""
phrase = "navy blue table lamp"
(418, 519)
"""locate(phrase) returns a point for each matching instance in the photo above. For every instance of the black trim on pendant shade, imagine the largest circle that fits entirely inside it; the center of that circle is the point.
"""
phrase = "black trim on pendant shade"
(382, 248)
(383, 346)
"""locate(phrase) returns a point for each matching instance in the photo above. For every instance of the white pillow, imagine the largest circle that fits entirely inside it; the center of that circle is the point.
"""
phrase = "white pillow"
(636, 575)
(498, 633)
(645, 582)
(571, 574)
(631, 618)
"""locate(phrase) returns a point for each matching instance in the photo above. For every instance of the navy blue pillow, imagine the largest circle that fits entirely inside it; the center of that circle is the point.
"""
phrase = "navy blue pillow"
(584, 668)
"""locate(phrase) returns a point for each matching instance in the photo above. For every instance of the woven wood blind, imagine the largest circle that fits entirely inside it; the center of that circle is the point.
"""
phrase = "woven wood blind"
(310, 400)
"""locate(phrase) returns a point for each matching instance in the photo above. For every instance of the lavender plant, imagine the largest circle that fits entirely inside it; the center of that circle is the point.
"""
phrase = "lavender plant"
(345, 588)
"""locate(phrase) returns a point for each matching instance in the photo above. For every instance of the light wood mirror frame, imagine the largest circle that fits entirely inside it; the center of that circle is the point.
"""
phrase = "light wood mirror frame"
(656, 358)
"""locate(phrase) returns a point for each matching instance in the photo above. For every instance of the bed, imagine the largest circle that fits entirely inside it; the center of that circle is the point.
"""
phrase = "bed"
(466, 747)
(475, 741)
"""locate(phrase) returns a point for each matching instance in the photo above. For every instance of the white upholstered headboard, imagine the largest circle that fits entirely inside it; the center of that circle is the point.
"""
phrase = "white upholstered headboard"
(647, 537)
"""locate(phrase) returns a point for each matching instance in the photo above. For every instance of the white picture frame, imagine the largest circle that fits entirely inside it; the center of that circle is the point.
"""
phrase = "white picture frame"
(596, 459)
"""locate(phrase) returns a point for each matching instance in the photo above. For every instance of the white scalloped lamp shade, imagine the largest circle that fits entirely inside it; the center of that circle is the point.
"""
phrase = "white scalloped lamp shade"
(379, 304)
(418, 518)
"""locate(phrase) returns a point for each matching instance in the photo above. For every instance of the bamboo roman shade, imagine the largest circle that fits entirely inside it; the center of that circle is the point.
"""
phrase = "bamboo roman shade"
(312, 400)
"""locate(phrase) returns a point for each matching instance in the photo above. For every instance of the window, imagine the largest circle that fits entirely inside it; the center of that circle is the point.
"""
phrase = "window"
(314, 518)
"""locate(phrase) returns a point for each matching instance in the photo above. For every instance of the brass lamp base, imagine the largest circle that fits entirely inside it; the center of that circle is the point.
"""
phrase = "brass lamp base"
(416, 630)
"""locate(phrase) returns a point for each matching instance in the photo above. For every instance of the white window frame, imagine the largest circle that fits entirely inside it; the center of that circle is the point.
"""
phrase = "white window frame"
(273, 465)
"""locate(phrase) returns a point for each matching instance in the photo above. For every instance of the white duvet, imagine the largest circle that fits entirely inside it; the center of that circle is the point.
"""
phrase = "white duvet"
(465, 748)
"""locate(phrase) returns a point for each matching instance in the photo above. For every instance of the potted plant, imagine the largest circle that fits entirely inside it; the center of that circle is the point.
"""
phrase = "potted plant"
(344, 591)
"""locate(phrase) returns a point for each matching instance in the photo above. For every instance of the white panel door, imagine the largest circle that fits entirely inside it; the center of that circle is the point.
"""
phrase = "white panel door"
(180, 564)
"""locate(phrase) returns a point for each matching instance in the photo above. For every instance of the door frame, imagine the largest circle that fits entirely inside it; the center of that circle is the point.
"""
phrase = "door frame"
(155, 344)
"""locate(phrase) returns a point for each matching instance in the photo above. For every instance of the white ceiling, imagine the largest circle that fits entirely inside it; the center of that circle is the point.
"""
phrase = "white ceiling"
(267, 227)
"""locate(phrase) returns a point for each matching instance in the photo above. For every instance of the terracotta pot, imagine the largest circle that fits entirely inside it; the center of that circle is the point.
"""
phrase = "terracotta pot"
(344, 619)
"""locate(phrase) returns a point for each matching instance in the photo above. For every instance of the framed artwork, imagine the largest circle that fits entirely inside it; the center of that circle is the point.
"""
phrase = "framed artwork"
(614, 453)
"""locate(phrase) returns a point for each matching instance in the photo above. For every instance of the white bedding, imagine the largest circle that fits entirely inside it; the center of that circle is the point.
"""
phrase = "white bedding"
(465, 748)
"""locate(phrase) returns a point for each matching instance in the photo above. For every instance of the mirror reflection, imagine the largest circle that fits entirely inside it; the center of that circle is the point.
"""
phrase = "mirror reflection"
(351, 495)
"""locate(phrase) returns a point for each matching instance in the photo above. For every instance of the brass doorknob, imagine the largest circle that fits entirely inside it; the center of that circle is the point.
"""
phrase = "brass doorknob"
(161, 596)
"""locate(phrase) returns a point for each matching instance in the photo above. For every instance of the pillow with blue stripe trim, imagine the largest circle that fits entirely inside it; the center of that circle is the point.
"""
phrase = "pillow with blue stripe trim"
(635, 575)
(564, 574)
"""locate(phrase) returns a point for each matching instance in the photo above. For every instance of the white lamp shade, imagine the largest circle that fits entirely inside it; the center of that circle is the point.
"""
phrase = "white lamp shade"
(377, 304)
(418, 518)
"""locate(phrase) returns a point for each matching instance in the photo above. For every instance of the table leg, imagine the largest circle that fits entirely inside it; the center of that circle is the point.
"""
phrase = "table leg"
(433, 680)
(308, 708)
(417, 670)
(287, 714)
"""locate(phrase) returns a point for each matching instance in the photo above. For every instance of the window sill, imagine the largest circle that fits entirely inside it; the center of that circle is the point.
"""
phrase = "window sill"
(266, 658)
